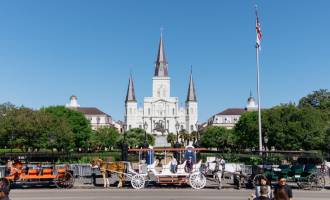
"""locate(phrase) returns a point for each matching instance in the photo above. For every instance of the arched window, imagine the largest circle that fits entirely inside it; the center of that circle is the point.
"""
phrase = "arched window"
(173, 111)
(191, 128)
(148, 111)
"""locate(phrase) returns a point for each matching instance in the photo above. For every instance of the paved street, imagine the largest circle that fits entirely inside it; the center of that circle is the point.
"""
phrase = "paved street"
(149, 194)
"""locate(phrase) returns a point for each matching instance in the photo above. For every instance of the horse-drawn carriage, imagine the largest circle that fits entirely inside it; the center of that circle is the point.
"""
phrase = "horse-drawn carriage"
(39, 174)
(306, 176)
(145, 174)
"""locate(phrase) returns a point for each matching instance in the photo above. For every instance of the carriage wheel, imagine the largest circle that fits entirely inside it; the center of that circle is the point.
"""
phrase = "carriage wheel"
(64, 180)
(316, 182)
(303, 184)
(138, 182)
(197, 180)
(256, 179)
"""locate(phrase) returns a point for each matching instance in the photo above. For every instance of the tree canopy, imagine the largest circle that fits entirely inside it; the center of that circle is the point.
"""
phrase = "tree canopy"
(104, 138)
(218, 137)
(135, 138)
(79, 125)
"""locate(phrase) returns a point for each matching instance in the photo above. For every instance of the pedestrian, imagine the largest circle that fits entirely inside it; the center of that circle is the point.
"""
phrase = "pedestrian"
(282, 191)
(263, 182)
(4, 189)
(264, 192)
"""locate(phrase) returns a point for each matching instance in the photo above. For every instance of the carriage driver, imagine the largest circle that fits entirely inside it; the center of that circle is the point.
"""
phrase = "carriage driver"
(174, 165)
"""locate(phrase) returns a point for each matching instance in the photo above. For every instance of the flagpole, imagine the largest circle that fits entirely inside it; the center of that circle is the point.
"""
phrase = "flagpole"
(259, 104)
(258, 31)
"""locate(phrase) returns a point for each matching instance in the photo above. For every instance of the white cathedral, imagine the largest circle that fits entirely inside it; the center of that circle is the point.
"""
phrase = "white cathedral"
(161, 113)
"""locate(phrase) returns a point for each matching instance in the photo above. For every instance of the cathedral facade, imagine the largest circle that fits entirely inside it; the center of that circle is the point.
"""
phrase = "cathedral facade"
(161, 113)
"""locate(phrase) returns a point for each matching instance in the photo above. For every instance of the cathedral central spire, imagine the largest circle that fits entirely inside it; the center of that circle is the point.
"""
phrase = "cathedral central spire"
(161, 62)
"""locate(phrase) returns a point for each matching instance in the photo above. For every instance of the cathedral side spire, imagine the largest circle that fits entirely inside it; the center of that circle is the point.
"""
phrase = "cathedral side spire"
(130, 90)
(161, 62)
(191, 89)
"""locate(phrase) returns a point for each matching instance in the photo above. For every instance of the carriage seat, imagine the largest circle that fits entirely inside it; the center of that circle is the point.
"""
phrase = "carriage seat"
(32, 172)
(166, 168)
(181, 167)
(152, 167)
(197, 166)
(47, 171)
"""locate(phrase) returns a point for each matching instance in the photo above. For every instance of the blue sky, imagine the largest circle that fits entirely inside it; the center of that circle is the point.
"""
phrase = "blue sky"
(50, 50)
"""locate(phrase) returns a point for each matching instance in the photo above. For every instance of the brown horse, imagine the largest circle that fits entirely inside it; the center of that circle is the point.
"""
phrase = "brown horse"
(105, 168)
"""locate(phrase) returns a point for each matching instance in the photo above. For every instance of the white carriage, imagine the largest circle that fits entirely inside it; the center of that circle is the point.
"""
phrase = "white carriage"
(164, 176)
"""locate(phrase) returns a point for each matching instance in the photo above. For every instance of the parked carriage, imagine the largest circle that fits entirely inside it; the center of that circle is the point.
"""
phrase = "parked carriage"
(307, 176)
(42, 174)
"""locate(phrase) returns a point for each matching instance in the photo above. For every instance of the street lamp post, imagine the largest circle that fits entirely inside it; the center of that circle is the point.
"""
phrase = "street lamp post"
(11, 144)
(177, 144)
(177, 126)
(145, 144)
(266, 142)
(124, 147)
(145, 127)
(197, 136)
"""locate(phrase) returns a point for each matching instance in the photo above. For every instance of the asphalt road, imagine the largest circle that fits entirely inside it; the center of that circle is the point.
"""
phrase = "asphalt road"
(150, 194)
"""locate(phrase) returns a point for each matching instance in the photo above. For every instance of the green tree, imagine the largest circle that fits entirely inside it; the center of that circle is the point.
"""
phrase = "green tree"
(246, 131)
(291, 128)
(58, 135)
(32, 130)
(5, 108)
(185, 136)
(135, 138)
(79, 125)
(218, 137)
(317, 99)
(104, 137)
(171, 138)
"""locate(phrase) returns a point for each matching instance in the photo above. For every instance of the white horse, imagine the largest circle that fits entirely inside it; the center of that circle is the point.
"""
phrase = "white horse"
(213, 168)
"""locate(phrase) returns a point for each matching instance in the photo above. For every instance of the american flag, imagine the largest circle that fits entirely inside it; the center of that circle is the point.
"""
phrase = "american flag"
(258, 31)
